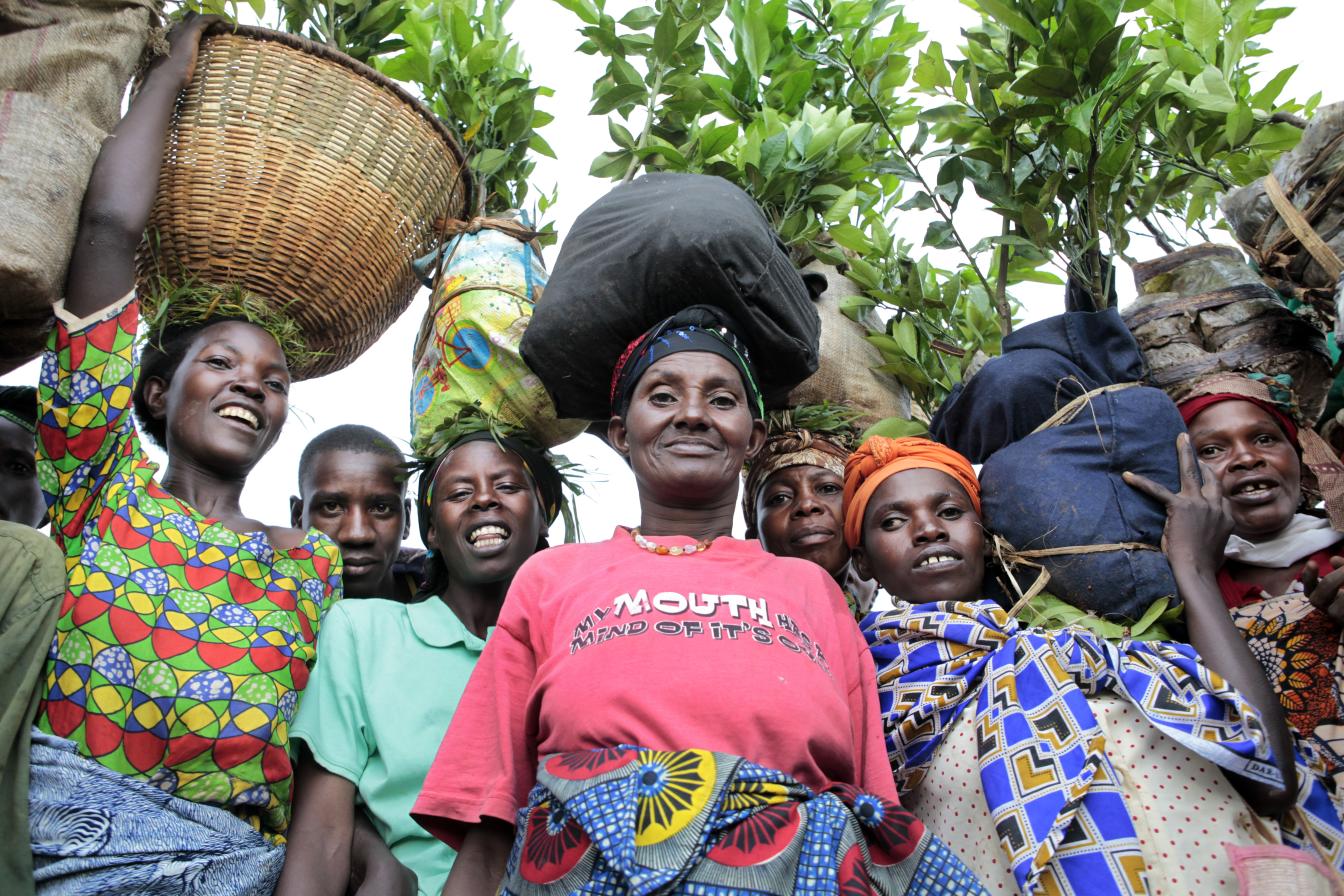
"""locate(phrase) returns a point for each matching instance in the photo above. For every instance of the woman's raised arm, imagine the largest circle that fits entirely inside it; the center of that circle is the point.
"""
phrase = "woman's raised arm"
(125, 181)
(1198, 526)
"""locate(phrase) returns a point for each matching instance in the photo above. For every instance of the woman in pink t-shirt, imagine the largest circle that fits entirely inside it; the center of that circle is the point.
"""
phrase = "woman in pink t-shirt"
(674, 709)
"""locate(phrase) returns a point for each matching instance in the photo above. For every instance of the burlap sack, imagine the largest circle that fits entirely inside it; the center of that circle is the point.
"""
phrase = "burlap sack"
(1204, 310)
(846, 374)
(63, 69)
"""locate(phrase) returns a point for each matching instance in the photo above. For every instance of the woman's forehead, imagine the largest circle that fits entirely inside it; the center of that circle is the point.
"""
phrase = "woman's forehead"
(693, 368)
(1230, 415)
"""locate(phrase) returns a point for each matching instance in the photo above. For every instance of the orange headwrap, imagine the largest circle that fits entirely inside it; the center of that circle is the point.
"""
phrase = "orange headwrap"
(880, 457)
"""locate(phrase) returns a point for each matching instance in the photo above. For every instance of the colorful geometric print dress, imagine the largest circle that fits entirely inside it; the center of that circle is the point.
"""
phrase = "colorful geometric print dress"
(181, 647)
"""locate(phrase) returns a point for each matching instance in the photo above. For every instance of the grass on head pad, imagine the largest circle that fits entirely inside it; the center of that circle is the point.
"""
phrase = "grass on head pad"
(188, 301)
(834, 423)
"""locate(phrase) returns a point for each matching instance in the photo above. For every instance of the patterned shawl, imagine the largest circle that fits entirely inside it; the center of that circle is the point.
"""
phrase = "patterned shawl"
(1047, 779)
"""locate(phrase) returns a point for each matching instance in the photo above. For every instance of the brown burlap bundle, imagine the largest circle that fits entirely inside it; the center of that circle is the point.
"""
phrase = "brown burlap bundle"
(63, 69)
(847, 374)
(1292, 221)
(1204, 310)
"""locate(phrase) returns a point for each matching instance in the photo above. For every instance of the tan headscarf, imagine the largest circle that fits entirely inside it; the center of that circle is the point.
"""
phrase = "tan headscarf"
(795, 447)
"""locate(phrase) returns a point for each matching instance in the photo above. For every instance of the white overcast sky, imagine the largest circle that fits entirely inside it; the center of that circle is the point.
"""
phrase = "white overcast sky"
(375, 389)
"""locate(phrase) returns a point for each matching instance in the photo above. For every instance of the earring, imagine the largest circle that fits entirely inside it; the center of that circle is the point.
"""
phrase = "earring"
(429, 553)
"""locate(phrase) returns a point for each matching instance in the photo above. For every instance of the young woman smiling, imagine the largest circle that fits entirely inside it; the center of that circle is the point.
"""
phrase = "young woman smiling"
(187, 629)
(1094, 764)
(484, 508)
(1281, 578)
(636, 711)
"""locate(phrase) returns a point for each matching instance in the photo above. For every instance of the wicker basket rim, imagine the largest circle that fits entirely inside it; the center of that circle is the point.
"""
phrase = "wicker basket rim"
(323, 51)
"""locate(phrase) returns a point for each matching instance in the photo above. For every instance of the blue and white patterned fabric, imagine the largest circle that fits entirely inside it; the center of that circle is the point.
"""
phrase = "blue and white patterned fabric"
(96, 832)
(1056, 801)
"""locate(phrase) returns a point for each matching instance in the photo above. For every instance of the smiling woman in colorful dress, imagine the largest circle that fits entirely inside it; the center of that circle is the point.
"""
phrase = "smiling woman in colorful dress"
(636, 713)
(1281, 578)
(187, 628)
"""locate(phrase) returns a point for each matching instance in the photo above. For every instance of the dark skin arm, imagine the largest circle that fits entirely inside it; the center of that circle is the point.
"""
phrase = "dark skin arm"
(1198, 526)
(480, 863)
(374, 871)
(333, 848)
(125, 180)
(317, 855)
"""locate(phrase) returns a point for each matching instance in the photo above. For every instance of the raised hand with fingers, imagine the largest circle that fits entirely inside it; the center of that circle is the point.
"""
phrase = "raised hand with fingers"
(1198, 519)
(1199, 523)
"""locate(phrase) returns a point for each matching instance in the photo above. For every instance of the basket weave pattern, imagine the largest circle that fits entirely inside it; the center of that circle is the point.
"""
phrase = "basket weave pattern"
(308, 178)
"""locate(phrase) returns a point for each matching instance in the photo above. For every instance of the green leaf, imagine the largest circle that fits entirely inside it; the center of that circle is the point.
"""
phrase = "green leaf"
(665, 35)
(906, 336)
(584, 9)
(1202, 22)
(896, 428)
(716, 139)
(1264, 98)
(620, 134)
(939, 236)
(1047, 80)
(488, 161)
(539, 145)
(482, 57)
(616, 95)
(849, 236)
(772, 152)
(624, 73)
(1239, 123)
(1004, 12)
(839, 209)
(610, 165)
(931, 70)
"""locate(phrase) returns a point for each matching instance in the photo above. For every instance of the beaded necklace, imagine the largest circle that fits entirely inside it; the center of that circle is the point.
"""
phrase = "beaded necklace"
(675, 550)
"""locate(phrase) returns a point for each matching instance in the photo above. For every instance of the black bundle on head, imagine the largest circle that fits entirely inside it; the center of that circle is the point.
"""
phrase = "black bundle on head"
(699, 328)
(18, 404)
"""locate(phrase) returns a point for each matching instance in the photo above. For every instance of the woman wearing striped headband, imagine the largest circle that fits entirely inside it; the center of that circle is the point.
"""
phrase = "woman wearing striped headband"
(792, 494)
(635, 715)
(1061, 738)
(484, 507)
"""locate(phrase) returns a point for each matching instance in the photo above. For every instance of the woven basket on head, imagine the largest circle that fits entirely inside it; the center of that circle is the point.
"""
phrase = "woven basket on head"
(309, 179)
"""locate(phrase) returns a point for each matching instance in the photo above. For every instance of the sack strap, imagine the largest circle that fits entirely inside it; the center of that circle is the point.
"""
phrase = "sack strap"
(1305, 233)
(1071, 410)
(1010, 558)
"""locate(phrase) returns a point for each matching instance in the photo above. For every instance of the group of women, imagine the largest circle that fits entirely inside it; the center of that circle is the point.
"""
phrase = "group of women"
(670, 711)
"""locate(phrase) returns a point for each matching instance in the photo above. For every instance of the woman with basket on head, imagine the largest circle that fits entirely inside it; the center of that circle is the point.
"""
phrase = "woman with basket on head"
(636, 711)
(484, 506)
(161, 758)
(1092, 763)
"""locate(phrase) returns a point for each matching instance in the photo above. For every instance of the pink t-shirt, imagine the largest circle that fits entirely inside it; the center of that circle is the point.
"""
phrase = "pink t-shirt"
(731, 649)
